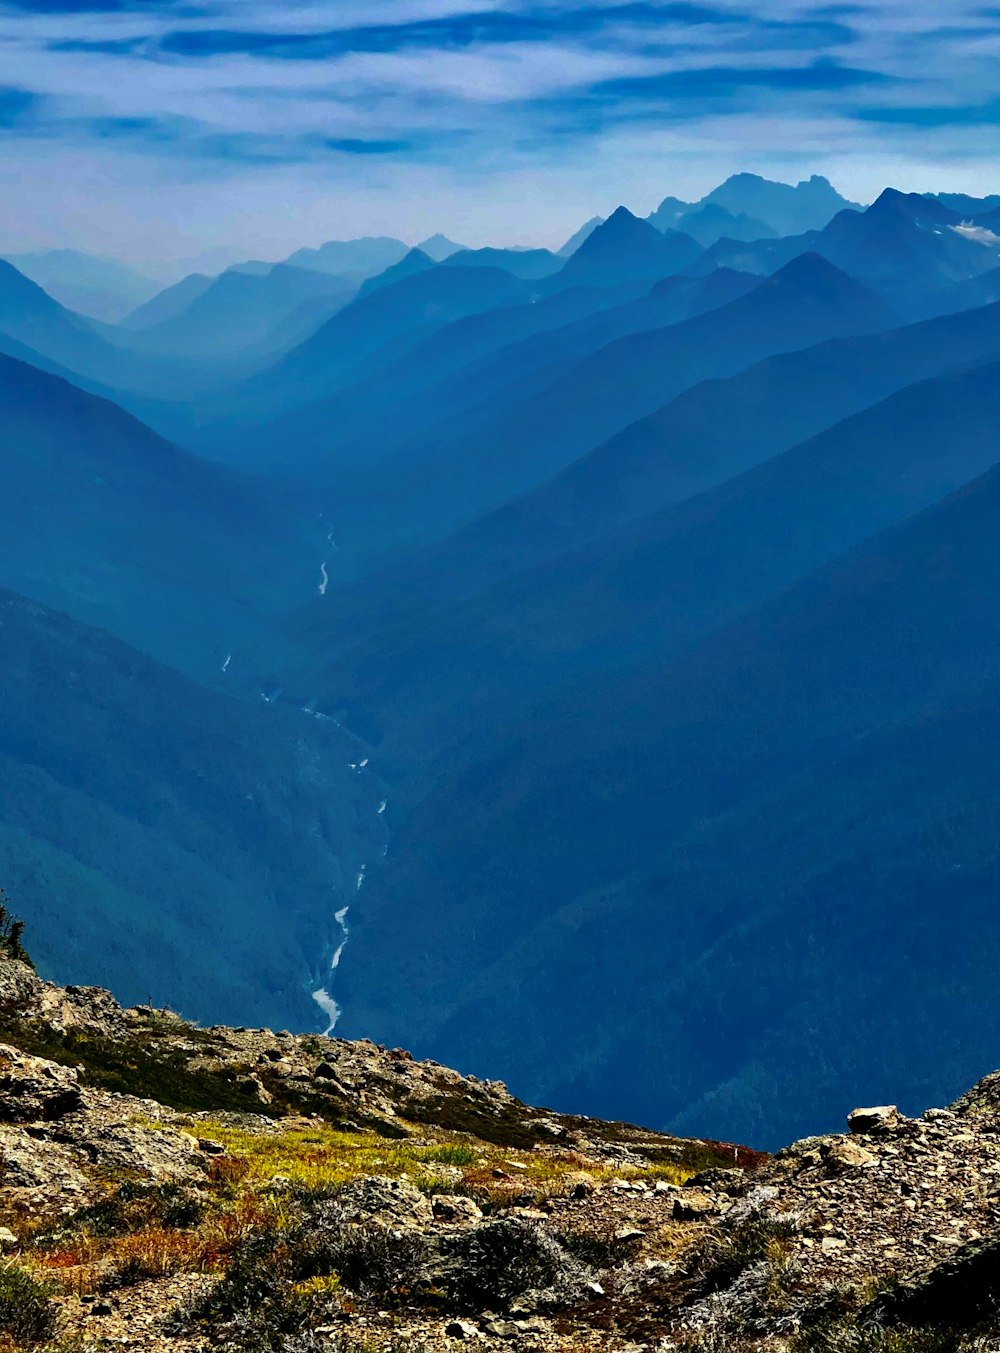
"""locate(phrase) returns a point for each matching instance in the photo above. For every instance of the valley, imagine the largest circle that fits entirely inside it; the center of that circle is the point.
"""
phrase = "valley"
(576, 665)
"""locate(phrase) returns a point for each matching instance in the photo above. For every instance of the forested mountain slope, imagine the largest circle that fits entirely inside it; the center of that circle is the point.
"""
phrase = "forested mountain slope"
(657, 587)
(104, 519)
(182, 845)
(596, 784)
(421, 488)
(717, 429)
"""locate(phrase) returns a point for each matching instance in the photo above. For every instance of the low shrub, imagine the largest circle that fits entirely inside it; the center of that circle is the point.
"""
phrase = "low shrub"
(27, 1312)
(493, 1265)
(728, 1251)
(370, 1259)
(282, 1282)
(601, 1250)
(847, 1335)
(137, 1205)
(255, 1305)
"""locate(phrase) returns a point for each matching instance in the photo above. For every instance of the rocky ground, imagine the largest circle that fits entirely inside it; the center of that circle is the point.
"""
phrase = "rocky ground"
(167, 1187)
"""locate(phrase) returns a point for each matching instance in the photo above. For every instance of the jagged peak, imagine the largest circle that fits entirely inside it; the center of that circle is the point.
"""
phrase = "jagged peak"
(915, 206)
(810, 268)
(621, 219)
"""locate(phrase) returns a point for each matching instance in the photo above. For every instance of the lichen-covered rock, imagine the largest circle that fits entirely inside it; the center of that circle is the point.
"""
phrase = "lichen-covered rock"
(91, 1009)
(33, 1090)
(695, 1205)
(391, 1201)
(844, 1154)
(20, 987)
(731, 1182)
(455, 1209)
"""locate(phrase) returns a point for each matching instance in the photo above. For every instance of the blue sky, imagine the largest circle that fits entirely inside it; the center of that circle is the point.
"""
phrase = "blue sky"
(151, 127)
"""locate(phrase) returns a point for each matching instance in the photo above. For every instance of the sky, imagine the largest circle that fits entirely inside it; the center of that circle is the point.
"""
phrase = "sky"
(157, 130)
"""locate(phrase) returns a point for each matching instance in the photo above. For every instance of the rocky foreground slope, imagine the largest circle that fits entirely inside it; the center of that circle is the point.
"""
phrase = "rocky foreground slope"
(169, 1187)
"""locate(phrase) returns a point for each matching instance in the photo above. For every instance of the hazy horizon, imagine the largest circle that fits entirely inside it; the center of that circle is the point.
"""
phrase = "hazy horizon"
(153, 132)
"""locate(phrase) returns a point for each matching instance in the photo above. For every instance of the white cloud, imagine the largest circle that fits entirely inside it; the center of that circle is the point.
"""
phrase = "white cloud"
(509, 139)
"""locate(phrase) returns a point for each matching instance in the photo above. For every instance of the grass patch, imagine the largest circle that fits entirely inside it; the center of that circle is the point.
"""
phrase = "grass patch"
(315, 1158)
(728, 1251)
(142, 1070)
(456, 1154)
(454, 1114)
(322, 1156)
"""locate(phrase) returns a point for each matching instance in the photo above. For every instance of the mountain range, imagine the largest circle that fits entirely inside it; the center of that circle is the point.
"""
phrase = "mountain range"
(909, 247)
(99, 287)
(794, 747)
(747, 207)
(418, 488)
(577, 664)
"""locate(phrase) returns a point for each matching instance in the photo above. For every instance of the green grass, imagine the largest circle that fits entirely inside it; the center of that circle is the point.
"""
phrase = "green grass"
(451, 1153)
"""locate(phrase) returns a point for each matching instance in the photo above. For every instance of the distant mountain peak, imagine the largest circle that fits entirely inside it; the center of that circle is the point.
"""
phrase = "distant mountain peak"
(356, 259)
(745, 178)
(815, 274)
(415, 261)
(621, 219)
(913, 204)
(893, 197)
(626, 246)
(438, 247)
(790, 209)
(620, 227)
(15, 285)
(810, 265)
(578, 236)
(674, 204)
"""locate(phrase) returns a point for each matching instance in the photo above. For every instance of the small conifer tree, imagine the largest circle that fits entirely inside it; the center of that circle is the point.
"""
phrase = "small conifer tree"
(11, 930)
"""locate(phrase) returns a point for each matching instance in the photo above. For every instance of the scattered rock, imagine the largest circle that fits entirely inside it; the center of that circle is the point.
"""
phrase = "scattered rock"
(501, 1329)
(874, 1122)
(692, 1205)
(35, 1091)
(844, 1154)
(731, 1181)
(960, 1291)
(462, 1329)
(386, 1200)
(454, 1208)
